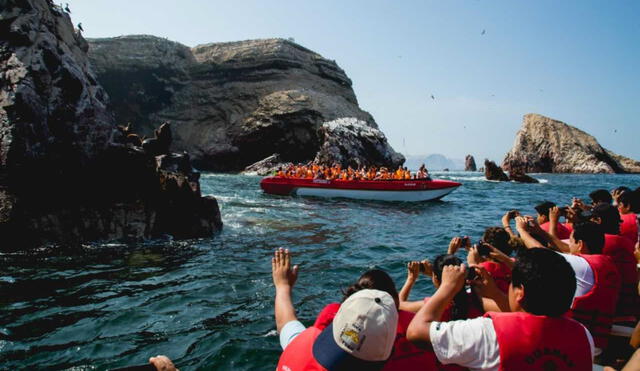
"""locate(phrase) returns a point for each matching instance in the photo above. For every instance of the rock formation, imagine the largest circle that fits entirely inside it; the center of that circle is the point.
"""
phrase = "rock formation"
(469, 163)
(494, 172)
(233, 104)
(544, 145)
(518, 175)
(66, 174)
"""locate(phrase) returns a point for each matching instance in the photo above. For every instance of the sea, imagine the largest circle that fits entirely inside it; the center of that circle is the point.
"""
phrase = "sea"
(208, 303)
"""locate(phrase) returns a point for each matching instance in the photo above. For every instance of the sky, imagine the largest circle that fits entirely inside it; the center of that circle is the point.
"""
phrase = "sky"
(486, 63)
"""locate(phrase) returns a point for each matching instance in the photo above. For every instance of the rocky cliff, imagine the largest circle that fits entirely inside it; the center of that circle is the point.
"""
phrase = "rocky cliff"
(66, 175)
(233, 104)
(544, 145)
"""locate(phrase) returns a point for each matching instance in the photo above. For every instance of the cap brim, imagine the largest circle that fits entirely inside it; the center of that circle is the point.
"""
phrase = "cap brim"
(327, 353)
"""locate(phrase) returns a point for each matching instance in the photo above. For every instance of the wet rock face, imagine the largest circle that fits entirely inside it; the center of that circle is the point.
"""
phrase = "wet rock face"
(544, 145)
(469, 163)
(494, 172)
(67, 175)
(230, 104)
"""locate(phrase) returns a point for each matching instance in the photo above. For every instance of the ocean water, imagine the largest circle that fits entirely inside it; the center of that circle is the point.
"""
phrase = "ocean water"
(208, 303)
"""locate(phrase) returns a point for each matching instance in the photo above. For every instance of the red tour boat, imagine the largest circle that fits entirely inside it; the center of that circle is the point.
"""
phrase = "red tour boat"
(384, 190)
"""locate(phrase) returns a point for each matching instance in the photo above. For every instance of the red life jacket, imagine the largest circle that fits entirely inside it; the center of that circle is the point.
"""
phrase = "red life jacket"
(528, 342)
(405, 356)
(563, 232)
(620, 249)
(629, 227)
(596, 309)
(298, 355)
(500, 273)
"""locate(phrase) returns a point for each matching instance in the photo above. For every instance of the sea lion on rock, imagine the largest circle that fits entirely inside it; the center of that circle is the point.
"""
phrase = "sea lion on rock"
(161, 143)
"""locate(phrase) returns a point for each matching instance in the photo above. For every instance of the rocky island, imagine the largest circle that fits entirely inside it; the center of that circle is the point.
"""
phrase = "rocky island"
(67, 175)
(545, 145)
(237, 103)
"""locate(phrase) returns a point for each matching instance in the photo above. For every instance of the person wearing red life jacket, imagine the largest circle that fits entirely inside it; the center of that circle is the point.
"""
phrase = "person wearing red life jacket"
(464, 305)
(543, 219)
(626, 202)
(535, 335)
(596, 308)
(405, 355)
(360, 337)
(621, 251)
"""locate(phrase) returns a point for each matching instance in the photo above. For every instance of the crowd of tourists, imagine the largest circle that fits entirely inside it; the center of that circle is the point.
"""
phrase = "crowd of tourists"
(318, 171)
(537, 293)
(552, 291)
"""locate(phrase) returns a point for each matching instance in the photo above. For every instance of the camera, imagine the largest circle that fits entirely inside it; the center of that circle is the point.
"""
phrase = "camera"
(513, 213)
(464, 241)
(472, 274)
(483, 249)
(563, 210)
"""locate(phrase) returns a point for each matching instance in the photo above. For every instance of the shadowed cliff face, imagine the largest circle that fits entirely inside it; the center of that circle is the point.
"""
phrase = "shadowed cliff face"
(231, 104)
(66, 175)
(544, 145)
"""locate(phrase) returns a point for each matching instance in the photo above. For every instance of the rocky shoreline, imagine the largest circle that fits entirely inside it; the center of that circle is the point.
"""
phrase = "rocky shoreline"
(67, 175)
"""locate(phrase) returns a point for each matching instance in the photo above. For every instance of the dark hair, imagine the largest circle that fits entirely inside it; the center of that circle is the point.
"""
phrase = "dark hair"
(548, 280)
(621, 189)
(373, 279)
(499, 238)
(629, 198)
(601, 196)
(591, 234)
(609, 217)
(543, 208)
(635, 206)
(460, 309)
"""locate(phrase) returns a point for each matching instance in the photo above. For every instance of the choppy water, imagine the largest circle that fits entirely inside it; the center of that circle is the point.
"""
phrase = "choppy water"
(208, 303)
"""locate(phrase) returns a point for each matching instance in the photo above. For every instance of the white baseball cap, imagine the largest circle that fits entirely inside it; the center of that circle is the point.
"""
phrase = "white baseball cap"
(362, 333)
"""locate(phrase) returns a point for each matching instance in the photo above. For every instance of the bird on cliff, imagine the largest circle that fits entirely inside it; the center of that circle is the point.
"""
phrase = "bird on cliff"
(80, 27)
(66, 8)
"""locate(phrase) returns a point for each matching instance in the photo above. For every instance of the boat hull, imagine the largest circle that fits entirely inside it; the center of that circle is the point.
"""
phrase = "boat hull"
(385, 190)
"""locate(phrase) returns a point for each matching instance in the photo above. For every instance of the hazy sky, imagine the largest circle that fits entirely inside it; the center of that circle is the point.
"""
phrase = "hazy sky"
(575, 61)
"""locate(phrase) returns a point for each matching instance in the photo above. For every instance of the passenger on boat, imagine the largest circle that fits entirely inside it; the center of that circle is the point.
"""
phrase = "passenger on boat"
(621, 250)
(499, 262)
(626, 202)
(598, 281)
(542, 209)
(405, 355)
(366, 314)
(534, 336)
(464, 304)
(600, 196)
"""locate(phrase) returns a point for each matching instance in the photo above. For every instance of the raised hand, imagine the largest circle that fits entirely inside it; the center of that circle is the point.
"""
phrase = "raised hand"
(413, 270)
(453, 277)
(281, 271)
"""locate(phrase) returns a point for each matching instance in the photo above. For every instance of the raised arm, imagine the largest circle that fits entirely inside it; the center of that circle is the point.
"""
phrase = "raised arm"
(506, 221)
(284, 277)
(522, 227)
(453, 277)
(554, 219)
(413, 272)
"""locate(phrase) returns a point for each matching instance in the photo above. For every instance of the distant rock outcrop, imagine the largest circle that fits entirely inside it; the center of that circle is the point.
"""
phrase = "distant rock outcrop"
(518, 175)
(544, 145)
(469, 163)
(494, 172)
(66, 174)
(233, 104)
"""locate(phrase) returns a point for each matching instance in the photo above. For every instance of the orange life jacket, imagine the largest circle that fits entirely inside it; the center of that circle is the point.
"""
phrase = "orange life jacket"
(528, 342)
(596, 309)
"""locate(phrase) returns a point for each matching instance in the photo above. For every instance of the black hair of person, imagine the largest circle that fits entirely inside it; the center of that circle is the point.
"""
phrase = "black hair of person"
(548, 281)
(591, 234)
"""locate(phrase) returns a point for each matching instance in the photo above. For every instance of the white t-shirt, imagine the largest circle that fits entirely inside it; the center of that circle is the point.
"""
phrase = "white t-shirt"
(289, 332)
(470, 343)
(584, 274)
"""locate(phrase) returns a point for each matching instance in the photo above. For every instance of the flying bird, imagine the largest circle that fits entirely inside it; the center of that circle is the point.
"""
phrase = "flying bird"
(483, 32)
(432, 97)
